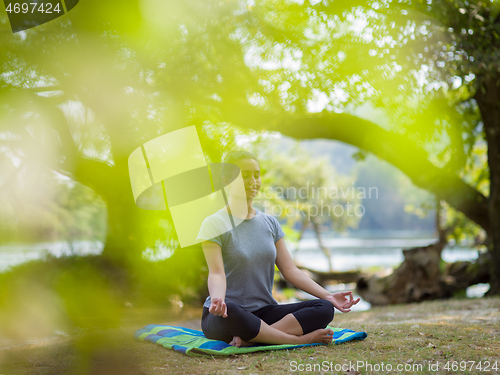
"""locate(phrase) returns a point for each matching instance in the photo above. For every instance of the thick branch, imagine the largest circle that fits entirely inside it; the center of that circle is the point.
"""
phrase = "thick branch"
(395, 148)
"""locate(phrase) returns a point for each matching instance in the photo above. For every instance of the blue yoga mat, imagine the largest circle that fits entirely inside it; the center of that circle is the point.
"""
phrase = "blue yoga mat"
(193, 343)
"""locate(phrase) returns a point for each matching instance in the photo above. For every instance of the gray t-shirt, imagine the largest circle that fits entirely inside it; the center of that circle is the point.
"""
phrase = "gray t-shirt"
(249, 255)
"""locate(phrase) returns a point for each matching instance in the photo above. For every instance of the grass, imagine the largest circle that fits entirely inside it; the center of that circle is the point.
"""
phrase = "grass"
(408, 335)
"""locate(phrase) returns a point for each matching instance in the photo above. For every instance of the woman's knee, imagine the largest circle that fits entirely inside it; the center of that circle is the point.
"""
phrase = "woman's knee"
(318, 314)
(238, 317)
(326, 310)
(235, 311)
(240, 322)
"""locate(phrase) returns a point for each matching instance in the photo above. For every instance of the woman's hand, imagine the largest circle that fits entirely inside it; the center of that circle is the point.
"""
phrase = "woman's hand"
(218, 307)
(341, 302)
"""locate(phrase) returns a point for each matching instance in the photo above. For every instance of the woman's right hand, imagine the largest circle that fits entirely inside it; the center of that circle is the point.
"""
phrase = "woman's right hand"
(218, 307)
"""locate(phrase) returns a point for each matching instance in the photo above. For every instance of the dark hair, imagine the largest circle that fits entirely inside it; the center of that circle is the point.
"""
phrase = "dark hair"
(235, 156)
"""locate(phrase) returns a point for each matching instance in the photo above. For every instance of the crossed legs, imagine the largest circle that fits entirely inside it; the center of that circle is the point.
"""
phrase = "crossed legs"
(296, 323)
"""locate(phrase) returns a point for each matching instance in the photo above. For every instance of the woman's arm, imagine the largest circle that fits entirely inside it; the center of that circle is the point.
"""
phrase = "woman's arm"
(300, 280)
(216, 277)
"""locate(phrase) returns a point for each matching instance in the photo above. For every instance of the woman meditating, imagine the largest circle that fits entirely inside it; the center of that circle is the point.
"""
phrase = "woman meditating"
(241, 309)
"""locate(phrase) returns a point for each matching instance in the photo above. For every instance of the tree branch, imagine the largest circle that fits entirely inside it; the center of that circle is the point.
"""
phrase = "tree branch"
(395, 148)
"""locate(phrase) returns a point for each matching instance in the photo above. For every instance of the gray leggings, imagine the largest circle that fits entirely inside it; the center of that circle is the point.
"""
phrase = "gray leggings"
(311, 315)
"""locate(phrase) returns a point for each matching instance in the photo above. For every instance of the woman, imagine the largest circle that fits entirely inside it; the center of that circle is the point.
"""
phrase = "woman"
(241, 309)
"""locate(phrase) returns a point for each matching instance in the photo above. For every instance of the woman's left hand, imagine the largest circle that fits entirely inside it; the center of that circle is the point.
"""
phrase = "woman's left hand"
(341, 302)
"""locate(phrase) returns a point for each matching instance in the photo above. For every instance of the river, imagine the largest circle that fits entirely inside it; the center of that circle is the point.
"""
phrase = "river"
(369, 249)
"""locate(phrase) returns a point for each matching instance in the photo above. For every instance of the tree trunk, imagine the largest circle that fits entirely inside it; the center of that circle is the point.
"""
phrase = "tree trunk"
(303, 228)
(418, 278)
(324, 249)
(488, 97)
(124, 241)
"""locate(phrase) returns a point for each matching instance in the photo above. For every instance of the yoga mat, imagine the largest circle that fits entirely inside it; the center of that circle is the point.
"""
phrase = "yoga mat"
(193, 343)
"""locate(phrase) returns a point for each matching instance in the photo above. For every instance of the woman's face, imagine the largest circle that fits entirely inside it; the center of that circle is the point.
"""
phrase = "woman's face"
(250, 171)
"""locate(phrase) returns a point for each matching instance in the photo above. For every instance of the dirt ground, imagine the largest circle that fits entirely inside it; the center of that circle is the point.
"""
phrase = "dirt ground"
(456, 332)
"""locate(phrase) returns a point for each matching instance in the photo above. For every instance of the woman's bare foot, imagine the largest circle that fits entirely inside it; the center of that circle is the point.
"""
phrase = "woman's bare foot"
(238, 342)
(320, 336)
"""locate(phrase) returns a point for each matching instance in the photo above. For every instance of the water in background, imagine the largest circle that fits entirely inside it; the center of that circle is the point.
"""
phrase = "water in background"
(356, 254)
(372, 249)
(366, 249)
(14, 254)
